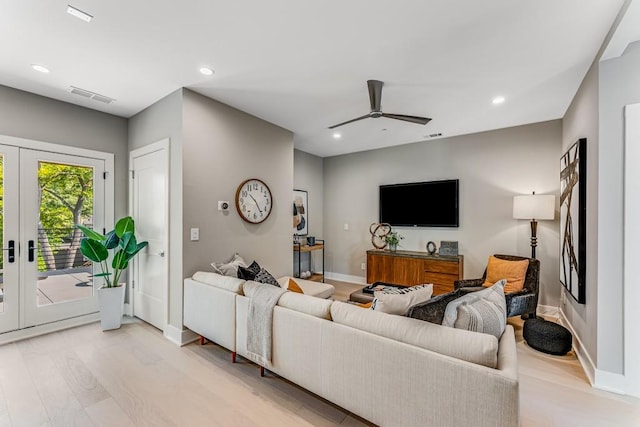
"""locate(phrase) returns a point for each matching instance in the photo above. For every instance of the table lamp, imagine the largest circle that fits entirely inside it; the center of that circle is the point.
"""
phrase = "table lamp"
(534, 207)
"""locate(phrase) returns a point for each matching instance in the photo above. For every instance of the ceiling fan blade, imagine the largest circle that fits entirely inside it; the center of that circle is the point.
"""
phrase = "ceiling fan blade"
(412, 119)
(375, 94)
(349, 121)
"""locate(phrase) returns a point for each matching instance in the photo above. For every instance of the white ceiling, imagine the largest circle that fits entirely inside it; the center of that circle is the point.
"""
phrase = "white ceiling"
(303, 65)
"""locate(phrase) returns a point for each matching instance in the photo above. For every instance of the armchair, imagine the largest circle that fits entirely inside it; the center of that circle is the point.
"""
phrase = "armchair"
(524, 302)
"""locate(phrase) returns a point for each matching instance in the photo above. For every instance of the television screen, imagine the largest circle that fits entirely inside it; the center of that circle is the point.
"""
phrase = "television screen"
(420, 204)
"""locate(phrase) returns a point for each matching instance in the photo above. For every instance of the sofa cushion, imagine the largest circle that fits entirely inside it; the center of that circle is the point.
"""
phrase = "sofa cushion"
(513, 272)
(400, 300)
(263, 276)
(231, 284)
(313, 306)
(230, 267)
(309, 287)
(476, 348)
(487, 315)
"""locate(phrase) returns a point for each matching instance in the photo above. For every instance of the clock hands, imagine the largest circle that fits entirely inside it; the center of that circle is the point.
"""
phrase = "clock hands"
(254, 200)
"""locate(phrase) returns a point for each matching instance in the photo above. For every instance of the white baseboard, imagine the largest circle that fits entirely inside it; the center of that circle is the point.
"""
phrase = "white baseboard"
(128, 309)
(178, 336)
(48, 328)
(609, 381)
(346, 278)
(588, 366)
(548, 311)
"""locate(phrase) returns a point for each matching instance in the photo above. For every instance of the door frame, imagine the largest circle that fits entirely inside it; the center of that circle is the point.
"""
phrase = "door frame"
(161, 145)
(109, 215)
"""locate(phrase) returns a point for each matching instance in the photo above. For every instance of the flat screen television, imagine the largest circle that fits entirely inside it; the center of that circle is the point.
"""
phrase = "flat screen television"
(420, 204)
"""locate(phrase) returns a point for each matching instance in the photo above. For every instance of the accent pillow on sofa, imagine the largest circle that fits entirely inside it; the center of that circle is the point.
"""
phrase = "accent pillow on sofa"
(399, 300)
(513, 272)
(229, 268)
(294, 287)
(487, 315)
(493, 295)
(249, 273)
(264, 276)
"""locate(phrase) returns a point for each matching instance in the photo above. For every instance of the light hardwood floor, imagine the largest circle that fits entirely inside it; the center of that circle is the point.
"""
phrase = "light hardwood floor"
(133, 376)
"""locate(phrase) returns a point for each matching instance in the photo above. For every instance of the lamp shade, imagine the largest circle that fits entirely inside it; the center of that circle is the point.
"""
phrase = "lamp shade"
(534, 206)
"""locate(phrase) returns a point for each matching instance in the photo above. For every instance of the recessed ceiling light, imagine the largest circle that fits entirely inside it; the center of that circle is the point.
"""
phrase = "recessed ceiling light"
(79, 14)
(498, 100)
(40, 68)
(337, 135)
(206, 71)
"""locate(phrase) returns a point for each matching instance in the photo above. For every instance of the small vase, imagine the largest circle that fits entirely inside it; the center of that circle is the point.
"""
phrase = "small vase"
(393, 247)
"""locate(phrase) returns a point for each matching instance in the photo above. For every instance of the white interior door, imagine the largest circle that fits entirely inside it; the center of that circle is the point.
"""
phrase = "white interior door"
(10, 239)
(149, 205)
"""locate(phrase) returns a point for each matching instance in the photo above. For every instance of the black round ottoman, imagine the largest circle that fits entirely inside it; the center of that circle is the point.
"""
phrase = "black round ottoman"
(547, 337)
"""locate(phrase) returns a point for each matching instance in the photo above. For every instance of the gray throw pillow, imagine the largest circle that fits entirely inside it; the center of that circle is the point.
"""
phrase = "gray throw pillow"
(451, 312)
(487, 315)
(229, 268)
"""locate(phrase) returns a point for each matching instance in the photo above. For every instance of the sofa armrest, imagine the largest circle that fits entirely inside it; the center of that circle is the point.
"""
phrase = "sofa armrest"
(433, 309)
(467, 283)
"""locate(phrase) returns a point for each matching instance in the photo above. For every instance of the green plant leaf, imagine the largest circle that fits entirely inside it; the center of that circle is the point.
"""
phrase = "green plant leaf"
(93, 249)
(140, 246)
(128, 242)
(124, 225)
(90, 233)
(119, 260)
(101, 275)
(111, 240)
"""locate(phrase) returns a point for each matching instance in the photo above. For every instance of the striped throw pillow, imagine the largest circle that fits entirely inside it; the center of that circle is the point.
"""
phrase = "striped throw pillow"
(400, 300)
(487, 315)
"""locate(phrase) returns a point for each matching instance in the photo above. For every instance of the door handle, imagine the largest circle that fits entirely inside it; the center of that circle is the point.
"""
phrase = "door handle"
(31, 249)
(11, 256)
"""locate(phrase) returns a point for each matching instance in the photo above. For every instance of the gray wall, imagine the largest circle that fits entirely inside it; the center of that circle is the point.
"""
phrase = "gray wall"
(159, 121)
(581, 121)
(619, 85)
(30, 116)
(308, 175)
(222, 148)
(492, 167)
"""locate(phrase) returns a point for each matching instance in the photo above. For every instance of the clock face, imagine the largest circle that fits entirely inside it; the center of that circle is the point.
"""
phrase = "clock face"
(253, 201)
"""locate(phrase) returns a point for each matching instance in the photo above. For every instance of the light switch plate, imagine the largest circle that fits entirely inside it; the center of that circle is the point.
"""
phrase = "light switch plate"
(195, 234)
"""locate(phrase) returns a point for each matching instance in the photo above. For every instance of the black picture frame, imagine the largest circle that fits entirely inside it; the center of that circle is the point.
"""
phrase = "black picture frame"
(573, 220)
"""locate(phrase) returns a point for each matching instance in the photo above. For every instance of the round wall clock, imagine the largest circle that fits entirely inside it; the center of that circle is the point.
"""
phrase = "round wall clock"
(253, 201)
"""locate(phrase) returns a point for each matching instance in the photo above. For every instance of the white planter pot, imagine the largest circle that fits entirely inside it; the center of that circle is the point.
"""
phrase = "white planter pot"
(111, 306)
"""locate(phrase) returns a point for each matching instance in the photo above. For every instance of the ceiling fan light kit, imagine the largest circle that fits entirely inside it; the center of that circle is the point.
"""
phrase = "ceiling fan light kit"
(375, 99)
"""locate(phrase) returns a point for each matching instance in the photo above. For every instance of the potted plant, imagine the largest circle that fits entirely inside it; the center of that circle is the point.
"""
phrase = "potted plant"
(124, 245)
(393, 239)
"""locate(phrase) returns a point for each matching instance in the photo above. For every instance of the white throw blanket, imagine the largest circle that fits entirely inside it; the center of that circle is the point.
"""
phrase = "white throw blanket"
(260, 322)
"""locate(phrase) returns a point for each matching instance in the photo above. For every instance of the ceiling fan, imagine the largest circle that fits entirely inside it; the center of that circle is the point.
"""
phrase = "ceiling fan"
(375, 97)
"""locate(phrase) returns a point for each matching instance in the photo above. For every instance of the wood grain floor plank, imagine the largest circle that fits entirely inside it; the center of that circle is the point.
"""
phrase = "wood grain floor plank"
(108, 414)
(80, 380)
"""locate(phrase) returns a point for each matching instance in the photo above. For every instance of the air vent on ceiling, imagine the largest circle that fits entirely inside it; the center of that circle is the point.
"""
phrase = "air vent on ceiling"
(91, 95)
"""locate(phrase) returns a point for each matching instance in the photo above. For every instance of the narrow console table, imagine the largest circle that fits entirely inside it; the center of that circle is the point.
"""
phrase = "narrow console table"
(301, 249)
(410, 268)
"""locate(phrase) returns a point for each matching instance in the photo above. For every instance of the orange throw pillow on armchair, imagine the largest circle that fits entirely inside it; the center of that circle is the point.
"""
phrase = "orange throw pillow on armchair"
(512, 271)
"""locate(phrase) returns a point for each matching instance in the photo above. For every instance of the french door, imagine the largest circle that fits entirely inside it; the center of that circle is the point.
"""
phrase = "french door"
(43, 194)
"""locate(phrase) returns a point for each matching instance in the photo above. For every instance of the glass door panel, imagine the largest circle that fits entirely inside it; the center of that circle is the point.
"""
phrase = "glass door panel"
(58, 191)
(9, 238)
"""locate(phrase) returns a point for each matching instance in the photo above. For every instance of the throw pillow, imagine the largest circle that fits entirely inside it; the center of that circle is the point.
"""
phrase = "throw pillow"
(451, 311)
(229, 268)
(513, 271)
(248, 273)
(264, 276)
(487, 315)
(364, 304)
(294, 287)
(400, 300)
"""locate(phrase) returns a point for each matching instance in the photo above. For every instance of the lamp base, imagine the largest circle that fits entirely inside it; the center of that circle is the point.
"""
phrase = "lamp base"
(534, 239)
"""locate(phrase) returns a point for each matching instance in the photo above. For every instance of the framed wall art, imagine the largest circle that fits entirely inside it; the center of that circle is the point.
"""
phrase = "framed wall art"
(573, 219)
(300, 213)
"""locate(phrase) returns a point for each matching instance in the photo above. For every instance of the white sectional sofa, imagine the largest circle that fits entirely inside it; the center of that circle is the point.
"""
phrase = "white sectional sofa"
(390, 370)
